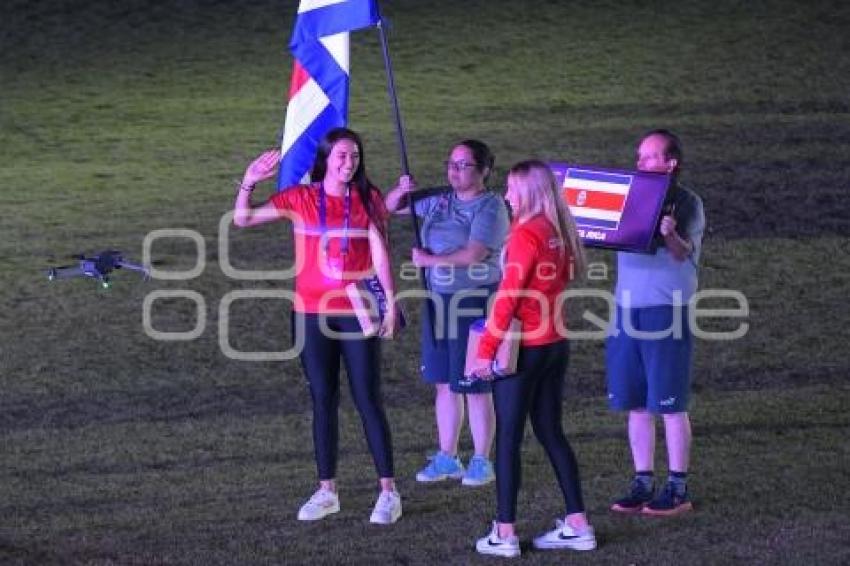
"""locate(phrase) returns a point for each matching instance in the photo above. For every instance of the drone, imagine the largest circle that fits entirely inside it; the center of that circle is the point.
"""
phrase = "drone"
(97, 266)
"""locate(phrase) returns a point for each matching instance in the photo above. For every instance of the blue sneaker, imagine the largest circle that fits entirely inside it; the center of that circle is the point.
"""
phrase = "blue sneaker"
(670, 501)
(636, 499)
(479, 472)
(441, 466)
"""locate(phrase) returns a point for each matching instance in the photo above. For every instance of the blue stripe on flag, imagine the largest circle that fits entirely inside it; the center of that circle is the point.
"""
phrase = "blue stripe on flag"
(296, 162)
(599, 176)
(319, 64)
(332, 19)
(596, 223)
(323, 69)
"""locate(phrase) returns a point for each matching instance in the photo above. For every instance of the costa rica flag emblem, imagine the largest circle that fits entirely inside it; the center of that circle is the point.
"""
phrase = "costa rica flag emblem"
(596, 199)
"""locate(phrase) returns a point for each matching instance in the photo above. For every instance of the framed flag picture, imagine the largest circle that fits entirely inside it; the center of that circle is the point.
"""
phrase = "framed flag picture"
(613, 208)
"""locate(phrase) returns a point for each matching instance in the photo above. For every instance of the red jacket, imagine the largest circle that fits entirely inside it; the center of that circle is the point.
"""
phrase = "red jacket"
(536, 268)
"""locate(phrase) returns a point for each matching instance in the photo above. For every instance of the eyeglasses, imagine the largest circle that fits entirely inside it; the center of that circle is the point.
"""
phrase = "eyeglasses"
(458, 166)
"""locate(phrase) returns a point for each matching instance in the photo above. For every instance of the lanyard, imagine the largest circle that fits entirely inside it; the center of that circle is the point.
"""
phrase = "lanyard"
(323, 219)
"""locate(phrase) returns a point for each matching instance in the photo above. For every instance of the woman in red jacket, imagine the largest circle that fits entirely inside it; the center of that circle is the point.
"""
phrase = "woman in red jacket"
(542, 254)
(339, 222)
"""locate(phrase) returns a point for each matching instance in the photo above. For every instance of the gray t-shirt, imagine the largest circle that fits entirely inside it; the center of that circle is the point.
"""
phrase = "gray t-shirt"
(448, 223)
(645, 280)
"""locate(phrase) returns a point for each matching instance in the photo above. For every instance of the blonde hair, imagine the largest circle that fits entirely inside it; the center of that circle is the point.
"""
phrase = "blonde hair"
(539, 195)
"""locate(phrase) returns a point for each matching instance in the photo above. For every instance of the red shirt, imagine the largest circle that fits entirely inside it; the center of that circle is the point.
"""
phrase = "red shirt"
(322, 271)
(536, 269)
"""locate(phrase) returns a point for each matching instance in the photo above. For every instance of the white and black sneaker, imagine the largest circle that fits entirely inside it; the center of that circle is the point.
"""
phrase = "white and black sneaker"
(495, 545)
(320, 505)
(564, 536)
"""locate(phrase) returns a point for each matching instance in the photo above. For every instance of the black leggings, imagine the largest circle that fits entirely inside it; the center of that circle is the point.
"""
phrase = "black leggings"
(320, 361)
(535, 390)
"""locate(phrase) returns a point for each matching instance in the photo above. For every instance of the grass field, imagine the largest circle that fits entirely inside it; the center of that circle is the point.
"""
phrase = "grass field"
(117, 119)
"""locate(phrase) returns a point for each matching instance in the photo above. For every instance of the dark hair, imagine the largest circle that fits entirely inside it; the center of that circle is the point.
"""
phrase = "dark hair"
(361, 182)
(484, 158)
(673, 149)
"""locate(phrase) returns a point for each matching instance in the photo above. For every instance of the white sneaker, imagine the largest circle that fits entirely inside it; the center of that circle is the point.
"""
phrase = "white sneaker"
(387, 508)
(495, 545)
(320, 505)
(564, 536)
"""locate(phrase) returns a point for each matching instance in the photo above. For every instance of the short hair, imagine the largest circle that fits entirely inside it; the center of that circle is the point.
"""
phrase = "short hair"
(673, 148)
(484, 158)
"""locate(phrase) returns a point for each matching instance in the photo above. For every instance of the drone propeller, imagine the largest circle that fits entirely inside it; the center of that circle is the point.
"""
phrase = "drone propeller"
(83, 257)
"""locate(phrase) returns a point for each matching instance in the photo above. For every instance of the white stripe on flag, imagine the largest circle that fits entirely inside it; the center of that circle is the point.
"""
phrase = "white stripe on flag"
(596, 186)
(307, 5)
(302, 109)
(337, 46)
(597, 213)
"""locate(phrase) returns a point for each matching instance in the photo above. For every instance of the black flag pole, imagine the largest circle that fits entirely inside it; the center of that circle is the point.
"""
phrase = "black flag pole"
(405, 165)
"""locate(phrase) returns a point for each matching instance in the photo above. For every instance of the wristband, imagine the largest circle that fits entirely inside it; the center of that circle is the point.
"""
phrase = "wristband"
(243, 187)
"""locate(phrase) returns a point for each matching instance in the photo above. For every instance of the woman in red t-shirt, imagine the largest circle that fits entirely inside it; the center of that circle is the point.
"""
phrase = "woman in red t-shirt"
(542, 254)
(339, 221)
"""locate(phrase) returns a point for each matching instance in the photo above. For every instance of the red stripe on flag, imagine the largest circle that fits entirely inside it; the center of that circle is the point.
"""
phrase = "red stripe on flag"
(299, 77)
(594, 199)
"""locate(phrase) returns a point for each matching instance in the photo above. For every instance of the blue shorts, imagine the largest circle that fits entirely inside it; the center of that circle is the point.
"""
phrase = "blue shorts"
(444, 356)
(652, 373)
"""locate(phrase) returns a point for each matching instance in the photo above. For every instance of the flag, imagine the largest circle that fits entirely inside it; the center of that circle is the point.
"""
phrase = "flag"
(318, 91)
(596, 198)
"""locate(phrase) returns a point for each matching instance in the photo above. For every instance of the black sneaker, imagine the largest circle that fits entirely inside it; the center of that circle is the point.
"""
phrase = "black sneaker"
(637, 498)
(669, 502)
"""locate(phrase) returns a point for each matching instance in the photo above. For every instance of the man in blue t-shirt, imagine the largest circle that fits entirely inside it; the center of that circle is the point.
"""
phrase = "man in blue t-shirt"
(648, 351)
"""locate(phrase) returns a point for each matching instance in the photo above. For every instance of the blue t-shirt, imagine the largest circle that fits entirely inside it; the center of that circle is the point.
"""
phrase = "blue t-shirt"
(449, 223)
(645, 280)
